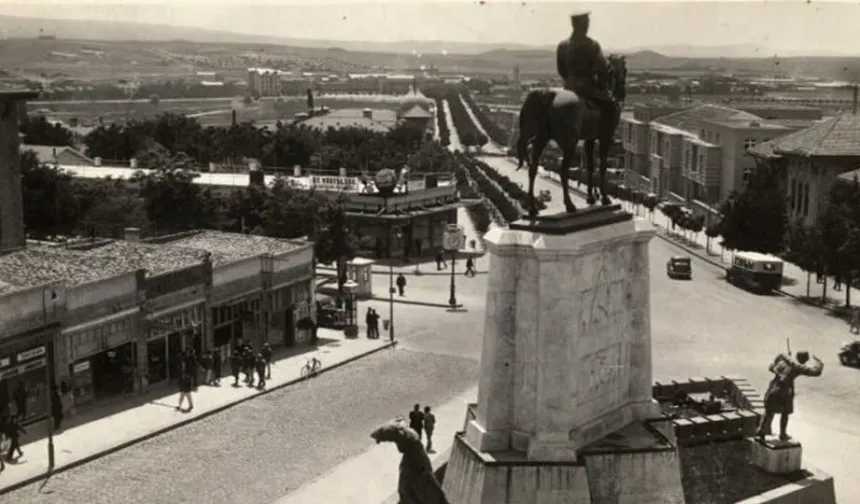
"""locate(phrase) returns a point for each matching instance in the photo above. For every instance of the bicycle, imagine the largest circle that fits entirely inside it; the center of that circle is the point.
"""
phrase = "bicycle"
(311, 367)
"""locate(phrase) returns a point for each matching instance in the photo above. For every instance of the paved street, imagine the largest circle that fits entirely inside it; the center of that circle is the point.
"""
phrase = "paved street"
(266, 448)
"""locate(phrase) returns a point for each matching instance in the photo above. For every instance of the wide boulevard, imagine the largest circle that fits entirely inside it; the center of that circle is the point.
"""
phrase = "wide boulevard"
(267, 448)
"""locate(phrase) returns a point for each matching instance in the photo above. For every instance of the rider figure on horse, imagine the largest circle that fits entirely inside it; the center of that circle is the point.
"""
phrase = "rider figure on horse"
(582, 66)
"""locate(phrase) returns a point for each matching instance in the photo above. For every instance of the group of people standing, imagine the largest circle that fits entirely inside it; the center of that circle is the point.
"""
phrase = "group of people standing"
(423, 421)
(243, 360)
(372, 321)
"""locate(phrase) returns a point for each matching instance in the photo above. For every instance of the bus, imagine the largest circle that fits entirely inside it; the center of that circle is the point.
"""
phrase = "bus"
(755, 271)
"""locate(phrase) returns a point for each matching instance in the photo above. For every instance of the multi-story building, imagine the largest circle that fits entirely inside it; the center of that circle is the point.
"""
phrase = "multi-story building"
(264, 81)
(810, 160)
(697, 153)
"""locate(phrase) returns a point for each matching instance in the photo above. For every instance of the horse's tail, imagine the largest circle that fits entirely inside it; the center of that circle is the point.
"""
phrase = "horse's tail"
(532, 109)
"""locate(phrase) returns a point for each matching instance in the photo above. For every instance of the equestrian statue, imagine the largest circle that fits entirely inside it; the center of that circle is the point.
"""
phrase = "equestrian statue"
(587, 108)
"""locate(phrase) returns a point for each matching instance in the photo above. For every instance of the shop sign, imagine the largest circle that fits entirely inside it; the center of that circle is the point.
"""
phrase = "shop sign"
(334, 183)
(5, 362)
(22, 368)
(80, 367)
(30, 354)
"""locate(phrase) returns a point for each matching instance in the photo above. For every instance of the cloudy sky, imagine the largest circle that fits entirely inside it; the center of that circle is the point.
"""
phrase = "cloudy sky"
(789, 25)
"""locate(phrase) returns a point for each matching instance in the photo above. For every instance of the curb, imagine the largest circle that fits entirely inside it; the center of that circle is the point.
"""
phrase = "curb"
(414, 303)
(698, 254)
(201, 416)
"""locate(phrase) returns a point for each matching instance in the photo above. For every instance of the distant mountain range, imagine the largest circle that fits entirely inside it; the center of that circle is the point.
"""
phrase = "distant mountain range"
(23, 27)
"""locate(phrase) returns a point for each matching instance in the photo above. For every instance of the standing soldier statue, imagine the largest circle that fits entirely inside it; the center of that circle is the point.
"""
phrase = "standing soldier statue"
(779, 397)
(583, 68)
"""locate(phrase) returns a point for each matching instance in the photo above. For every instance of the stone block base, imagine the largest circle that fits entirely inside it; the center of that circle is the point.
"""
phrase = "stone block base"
(634, 465)
(776, 457)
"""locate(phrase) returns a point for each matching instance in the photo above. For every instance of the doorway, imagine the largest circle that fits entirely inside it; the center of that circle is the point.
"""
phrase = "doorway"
(174, 352)
(156, 360)
(289, 328)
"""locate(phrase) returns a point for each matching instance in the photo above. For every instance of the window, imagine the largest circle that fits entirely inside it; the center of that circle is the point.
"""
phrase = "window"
(717, 140)
(747, 174)
(701, 160)
(806, 200)
(792, 194)
(749, 142)
(689, 159)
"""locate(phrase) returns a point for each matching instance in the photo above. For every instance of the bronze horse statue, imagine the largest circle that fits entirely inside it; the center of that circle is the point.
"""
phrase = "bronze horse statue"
(559, 114)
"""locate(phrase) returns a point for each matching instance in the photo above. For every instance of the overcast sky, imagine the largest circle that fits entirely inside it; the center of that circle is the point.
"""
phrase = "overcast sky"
(790, 25)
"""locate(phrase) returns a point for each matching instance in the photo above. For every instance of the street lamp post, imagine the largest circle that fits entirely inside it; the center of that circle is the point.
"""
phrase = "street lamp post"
(452, 241)
(49, 377)
(398, 234)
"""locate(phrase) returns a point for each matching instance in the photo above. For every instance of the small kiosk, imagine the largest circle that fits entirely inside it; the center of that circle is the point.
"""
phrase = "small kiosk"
(358, 270)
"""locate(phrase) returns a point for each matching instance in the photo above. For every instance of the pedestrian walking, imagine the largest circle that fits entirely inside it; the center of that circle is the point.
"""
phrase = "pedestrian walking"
(56, 407)
(416, 420)
(401, 284)
(855, 321)
(429, 425)
(185, 387)
(20, 396)
(267, 356)
(13, 430)
(235, 365)
(368, 320)
(216, 368)
(190, 362)
(375, 324)
(470, 267)
(206, 365)
(440, 261)
(260, 365)
(248, 364)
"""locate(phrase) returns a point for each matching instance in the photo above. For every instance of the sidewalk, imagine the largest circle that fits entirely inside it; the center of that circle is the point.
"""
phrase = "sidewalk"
(79, 444)
(371, 478)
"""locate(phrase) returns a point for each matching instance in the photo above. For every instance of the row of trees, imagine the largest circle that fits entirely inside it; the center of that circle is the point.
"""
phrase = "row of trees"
(38, 131)
(359, 150)
(442, 123)
(167, 201)
(496, 133)
(498, 197)
(470, 135)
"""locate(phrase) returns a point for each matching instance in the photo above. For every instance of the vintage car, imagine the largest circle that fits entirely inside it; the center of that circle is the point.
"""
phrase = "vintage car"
(329, 314)
(680, 267)
(849, 354)
(755, 271)
(545, 196)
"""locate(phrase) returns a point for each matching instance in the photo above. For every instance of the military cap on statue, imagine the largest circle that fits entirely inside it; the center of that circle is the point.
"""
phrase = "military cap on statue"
(580, 15)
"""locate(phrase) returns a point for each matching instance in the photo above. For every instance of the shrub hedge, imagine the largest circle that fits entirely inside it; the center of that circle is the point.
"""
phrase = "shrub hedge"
(495, 133)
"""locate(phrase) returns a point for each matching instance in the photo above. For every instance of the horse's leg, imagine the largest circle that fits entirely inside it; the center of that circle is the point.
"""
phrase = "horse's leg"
(588, 148)
(604, 156)
(567, 158)
(537, 150)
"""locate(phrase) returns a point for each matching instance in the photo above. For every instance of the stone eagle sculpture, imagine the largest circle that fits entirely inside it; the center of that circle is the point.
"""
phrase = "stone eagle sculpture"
(417, 483)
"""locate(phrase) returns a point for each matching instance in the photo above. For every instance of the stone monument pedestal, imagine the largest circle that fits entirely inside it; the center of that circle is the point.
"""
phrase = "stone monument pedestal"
(565, 412)
(776, 457)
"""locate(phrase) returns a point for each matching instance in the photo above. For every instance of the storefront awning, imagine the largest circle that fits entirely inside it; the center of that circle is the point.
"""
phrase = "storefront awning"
(172, 309)
(102, 321)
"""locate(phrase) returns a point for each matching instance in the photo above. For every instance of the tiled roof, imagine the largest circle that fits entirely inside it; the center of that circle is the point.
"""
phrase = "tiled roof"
(154, 259)
(764, 149)
(837, 136)
(227, 247)
(40, 265)
(416, 112)
(49, 153)
(691, 119)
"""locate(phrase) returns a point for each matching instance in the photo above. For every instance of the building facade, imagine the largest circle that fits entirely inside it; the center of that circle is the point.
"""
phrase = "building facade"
(107, 336)
(809, 161)
(696, 153)
(13, 108)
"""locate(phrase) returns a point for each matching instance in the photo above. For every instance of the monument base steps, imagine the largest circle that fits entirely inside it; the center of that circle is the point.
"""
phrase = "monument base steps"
(634, 465)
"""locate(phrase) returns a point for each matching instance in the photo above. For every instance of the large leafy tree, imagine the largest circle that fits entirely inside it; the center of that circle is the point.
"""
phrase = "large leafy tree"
(172, 200)
(839, 227)
(108, 207)
(804, 247)
(50, 205)
(334, 239)
(38, 131)
(756, 218)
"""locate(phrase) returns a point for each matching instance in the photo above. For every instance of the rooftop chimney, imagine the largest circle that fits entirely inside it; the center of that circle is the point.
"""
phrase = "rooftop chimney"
(132, 235)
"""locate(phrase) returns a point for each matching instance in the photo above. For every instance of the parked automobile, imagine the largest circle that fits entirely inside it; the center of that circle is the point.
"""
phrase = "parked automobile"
(680, 267)
(849, 354)
(545, 196)
(329, 314)
(755, 271)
